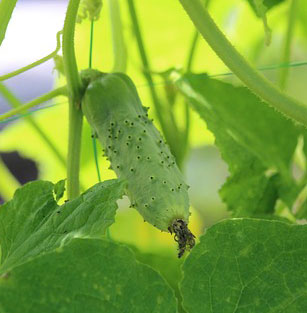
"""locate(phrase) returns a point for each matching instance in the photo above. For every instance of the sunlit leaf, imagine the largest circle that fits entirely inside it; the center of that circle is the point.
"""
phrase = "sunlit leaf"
(246, 131)
(33, 223)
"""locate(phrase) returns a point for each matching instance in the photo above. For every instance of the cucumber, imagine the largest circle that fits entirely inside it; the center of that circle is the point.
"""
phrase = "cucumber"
(138, 154)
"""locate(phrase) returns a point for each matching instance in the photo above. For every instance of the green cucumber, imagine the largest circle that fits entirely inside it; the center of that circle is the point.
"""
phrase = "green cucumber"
(138, 154)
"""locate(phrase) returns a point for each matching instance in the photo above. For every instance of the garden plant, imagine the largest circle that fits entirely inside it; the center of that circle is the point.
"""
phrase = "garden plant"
(59, 250)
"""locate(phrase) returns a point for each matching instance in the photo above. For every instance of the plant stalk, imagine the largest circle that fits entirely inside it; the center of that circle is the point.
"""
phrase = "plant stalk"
(15, 102)
(146, 66)
(118, 41)
(256, 82)
(284, 73)
(74, 92)
(23, 108)
(191, 57)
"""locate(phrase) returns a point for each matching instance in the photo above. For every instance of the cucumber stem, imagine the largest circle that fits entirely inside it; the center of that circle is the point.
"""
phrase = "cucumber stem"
(74, 92)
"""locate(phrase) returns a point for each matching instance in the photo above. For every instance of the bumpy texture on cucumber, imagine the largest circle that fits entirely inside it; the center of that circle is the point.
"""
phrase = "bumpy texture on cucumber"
(138, 154)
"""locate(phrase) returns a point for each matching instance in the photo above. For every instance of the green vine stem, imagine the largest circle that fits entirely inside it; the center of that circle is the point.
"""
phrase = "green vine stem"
(61, 91)
(239, 66)
(74, 93)
(147, 71)
(69, 57)
(118, 41)
(192, 50)
(15, 102)
(6, 10)
(287, 44)
(8, 182)
(190, 59)
(36, 63)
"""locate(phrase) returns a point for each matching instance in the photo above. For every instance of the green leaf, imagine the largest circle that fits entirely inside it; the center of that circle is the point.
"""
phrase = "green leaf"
(168, 265)
(260, 192)
(302, 213)
(32, 222)
(244, 117)
(6, 10)
(267, 3)
(87, 275)
(247, 266)
(59, 189)
(260, 8)
(90, 9)
(247, 134)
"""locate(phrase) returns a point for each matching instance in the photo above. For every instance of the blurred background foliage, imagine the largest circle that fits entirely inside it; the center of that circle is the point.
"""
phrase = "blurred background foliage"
(168, 34)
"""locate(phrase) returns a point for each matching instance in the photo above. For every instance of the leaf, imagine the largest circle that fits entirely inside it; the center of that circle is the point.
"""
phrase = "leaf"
(168, 265)
(267, 3)
(246, 131)
(90, 9)
(247, 266)
(59, 189)
(261, 9)
(244, 117)
(6, 10)
(87, 275)
(259, 197)
(32, 222)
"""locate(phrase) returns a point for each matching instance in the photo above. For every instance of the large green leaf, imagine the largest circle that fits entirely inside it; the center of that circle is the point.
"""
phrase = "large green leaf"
(247, 266)
(244, 117)
(32, 222)
(87, 275)
(247, 132)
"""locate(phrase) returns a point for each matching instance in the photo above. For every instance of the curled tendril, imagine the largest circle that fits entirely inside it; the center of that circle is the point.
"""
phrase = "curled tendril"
(90, 9)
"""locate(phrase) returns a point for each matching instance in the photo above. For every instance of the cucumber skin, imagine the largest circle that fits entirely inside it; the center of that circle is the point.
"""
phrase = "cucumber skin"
(136, 150)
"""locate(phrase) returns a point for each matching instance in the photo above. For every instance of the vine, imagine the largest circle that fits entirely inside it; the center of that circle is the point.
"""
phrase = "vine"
(74, 92)
(239, 66)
